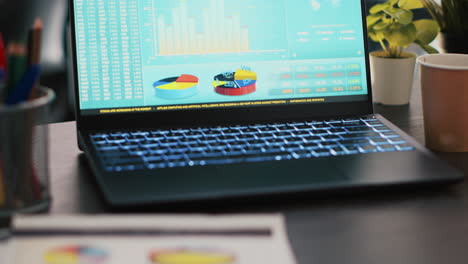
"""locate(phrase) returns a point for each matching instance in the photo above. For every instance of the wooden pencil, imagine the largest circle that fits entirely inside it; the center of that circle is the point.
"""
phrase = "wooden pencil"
(34, 50)
(34, 42)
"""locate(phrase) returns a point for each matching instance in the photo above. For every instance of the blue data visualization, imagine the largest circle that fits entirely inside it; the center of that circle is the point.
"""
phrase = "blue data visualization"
(139, 52)
(203, 31)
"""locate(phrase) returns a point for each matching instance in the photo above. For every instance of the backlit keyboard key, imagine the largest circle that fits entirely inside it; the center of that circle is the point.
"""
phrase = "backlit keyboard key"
(328, 144)
(249, 130)
(378, 141)
(358, 129)
(338, 131)
(331, 137)
(321, 126)
(351, 120)
(352, 149)
(389, 134)
(293, 147)
(286, 128)
(303, 127)
(257, 142)
(369, 118)
(156, 165)
(319, 132)
(129, 147)
(368, 148)
(193, 134)
(227, 138)
(374, 123)
(334, 121)
(321, 152)
(295, 140)
(404, 146)
(273, 149)
(301, 133)
(338, 150)
(312, 139)
(386, 147)
(265, 135)
(175, 135)
(276, 142)
(268, 129)
(283, 134)
(311, 145)
(361, 141)
(381, 129)
(158, 151)
(352, 124)
(302, 154)
(397, 140)
(154, 159)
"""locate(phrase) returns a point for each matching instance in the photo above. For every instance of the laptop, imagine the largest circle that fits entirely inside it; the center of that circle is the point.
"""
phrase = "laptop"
(201, 100)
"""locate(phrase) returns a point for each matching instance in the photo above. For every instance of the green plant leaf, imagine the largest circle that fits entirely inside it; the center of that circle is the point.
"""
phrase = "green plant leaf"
(372, 19)
(378, 8)
(401, 35)
(382, 25)
(427, 30)
(376, 36)
(427, 48)
(410, 4)
(401, 15)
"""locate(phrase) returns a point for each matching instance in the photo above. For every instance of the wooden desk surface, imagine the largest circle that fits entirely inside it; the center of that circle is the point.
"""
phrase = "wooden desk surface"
(404, 226)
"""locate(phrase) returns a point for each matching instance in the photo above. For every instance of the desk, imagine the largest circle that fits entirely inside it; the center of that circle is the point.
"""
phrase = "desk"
(405, 226)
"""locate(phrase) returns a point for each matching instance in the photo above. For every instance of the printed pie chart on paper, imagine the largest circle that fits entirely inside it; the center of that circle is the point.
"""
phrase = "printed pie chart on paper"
(189, 256)
(76, 255)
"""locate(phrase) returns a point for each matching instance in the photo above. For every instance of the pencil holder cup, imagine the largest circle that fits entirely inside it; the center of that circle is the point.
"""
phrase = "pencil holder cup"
(24, 146)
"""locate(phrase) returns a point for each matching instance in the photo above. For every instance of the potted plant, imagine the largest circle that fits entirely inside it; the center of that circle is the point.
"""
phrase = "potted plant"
(391, 24)
(452, 16)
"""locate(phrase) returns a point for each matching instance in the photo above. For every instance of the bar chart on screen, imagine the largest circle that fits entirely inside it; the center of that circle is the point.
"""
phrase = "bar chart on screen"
(180, 35)
(214, 27)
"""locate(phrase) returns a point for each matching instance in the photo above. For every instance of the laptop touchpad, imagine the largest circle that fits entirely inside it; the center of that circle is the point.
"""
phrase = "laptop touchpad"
(246, 178)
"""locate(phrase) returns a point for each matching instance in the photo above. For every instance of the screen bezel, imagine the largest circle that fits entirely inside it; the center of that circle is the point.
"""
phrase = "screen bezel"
(181, 118)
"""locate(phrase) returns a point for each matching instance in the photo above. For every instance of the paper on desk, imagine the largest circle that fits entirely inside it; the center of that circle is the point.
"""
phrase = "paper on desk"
(176, 239)
(4, 252)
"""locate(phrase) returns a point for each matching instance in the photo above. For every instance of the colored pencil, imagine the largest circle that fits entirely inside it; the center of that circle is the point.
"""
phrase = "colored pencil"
(2, 86)
(16, 66)
(23, 89)
(3, 69)
(34, 42)
(34, 49)
(3, 58)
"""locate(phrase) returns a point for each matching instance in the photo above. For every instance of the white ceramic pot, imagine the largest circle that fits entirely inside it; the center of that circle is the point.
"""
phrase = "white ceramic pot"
(392, 79)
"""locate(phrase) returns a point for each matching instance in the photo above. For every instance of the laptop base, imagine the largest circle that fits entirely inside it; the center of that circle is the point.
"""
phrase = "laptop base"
(235, 181)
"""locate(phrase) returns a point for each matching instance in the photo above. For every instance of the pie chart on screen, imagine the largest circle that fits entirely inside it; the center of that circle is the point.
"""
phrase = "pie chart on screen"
(76, 255)
(240, 82)
(179, 87)
(191, 256)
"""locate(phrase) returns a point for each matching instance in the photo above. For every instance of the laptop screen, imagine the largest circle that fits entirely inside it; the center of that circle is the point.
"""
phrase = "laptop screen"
(163, 55)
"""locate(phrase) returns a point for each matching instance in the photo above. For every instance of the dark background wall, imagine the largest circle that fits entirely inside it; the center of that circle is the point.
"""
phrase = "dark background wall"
(17, 16)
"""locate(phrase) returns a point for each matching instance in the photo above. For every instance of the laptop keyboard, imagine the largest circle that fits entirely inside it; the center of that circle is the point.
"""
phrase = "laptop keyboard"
(156, 149)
